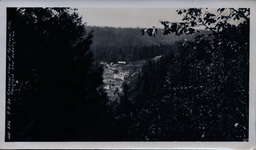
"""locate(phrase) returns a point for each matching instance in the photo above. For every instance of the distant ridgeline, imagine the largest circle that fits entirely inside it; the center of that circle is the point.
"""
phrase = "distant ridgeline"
(128, 44)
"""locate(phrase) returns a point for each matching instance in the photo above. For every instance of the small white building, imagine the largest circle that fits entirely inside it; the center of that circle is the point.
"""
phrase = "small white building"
(107, 87)
(121, 62)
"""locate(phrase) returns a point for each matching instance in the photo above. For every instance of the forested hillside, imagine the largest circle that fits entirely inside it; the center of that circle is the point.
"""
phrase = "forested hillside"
(113, 44)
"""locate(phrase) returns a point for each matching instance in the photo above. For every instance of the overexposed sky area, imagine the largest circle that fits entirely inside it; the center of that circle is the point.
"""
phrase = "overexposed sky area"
(135, 17)
(128, 17)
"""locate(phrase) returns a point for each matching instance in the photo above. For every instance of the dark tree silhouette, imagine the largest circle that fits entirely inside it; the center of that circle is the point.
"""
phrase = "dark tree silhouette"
(201, 91)
(58, 94)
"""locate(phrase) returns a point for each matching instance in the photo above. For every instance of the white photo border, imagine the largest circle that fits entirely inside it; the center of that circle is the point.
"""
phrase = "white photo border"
(131, 4)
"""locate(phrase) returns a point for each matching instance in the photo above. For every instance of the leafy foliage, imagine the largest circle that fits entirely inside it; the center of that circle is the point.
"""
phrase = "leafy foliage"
(58, 94)
(201, 91)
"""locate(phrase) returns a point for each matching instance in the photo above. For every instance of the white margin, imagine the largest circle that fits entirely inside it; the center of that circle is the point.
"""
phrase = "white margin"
(130, 4)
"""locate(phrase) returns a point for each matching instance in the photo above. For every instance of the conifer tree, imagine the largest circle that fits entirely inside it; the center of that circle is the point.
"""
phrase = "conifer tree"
(58, 96)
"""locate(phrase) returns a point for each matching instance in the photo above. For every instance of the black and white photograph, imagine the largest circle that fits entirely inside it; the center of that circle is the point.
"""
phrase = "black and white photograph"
(102, 74)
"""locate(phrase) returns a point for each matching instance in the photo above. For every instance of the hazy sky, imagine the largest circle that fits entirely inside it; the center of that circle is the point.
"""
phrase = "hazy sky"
(128, 17)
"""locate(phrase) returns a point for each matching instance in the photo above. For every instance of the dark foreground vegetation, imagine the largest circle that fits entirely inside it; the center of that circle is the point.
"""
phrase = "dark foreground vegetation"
(197, 91)
(201, 91)
(57, 92)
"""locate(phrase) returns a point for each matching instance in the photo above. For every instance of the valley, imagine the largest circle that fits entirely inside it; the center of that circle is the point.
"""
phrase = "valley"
(115, 74)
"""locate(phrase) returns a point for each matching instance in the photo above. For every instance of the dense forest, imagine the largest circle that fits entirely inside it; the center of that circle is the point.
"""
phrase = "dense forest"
(197, 91)
(128, 44)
